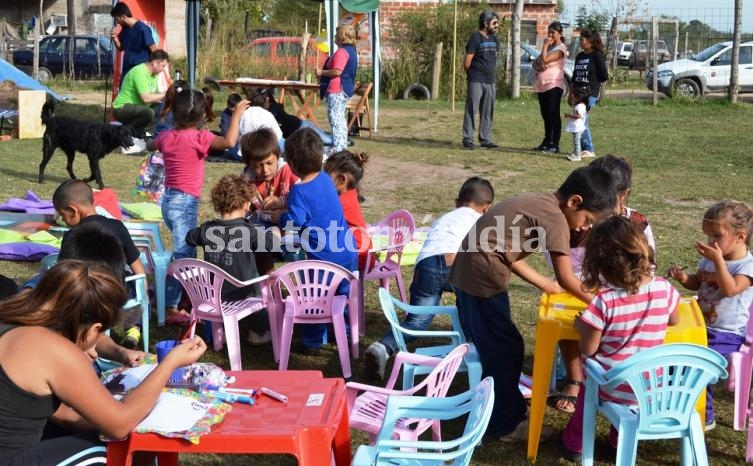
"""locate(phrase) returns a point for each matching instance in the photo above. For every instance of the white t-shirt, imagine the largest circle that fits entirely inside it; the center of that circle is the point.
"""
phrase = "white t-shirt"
(447, 232)
(577, 125)
(725, 313)
(255, 118)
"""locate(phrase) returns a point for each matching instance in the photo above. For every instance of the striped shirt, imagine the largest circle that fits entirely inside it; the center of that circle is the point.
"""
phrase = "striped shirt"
(628, 324)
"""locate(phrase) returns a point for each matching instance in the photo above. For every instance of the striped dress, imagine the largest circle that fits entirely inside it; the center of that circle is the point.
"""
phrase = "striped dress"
(628, 324)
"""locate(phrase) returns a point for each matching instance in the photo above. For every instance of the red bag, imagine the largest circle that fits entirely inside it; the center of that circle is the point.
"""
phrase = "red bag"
(107, 199)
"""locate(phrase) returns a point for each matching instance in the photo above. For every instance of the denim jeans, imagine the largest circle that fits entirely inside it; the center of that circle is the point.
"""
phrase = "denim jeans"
(577, 142)
(325, 136)
(586, 143)
(429, 281)
(180, 212)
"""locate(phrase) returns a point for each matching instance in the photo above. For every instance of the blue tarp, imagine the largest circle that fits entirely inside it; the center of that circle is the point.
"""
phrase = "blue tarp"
(9, 72)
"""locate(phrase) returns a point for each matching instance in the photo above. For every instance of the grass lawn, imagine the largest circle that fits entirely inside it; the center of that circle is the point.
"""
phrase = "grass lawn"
(685, 156)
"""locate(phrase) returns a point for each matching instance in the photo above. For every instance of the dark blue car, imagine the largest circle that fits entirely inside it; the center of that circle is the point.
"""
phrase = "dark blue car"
(91, 56)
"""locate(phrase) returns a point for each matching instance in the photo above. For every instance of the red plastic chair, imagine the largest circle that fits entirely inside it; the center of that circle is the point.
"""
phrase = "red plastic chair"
(397, 228)
(311, 286)
(202, 282)
(368, 409)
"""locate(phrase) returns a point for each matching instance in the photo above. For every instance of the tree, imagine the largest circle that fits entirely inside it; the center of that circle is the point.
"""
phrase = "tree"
(733, 87)
(592, 19)
(515, 65)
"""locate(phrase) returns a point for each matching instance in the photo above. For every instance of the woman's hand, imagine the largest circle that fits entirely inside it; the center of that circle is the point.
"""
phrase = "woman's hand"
(187, 352)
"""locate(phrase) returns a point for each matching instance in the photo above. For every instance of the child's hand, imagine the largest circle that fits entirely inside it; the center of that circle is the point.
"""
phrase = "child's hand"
(275, 214)
(187, 352)
(241, 107)
(272, 203)
(678, 273)
(711, 252)
(553, 287)
(131, 358)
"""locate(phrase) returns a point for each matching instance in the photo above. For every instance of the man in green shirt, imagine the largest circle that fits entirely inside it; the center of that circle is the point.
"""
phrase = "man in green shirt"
(133, 105)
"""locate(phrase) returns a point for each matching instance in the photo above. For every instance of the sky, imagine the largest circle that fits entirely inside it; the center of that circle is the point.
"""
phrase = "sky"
(718, 14)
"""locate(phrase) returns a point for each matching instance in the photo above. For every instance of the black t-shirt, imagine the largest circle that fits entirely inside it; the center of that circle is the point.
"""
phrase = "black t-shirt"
(590, 70)
(484, 50)
(230, 245)
(288, 123)
(117, 229)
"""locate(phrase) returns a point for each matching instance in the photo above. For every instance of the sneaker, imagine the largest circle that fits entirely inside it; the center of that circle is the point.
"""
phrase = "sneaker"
(259, 339)
(489, 145)
(587, 154)
(468, 145)
(551, 150)
(376, 360)
(574, 157)
(710, 425)
(520, 434)
(132, 337)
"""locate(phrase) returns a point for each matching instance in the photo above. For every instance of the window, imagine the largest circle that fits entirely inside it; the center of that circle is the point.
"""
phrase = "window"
(289, 49)
(57, 45)
(746, 55)
(85, 46)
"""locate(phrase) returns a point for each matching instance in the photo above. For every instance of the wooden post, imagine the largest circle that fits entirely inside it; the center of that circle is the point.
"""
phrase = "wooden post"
(655, 59)
(302, 59)
(437, 71)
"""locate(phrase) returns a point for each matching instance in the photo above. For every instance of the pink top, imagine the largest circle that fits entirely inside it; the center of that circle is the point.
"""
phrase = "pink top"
(554, 74)
(185, 152)
(629, 323)
(337, 62)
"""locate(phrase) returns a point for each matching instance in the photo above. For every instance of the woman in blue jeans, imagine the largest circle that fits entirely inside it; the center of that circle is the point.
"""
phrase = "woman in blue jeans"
(590, 70)
(433, 266)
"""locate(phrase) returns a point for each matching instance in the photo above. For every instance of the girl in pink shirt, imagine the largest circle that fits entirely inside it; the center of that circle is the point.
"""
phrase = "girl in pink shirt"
(629, 312)
(184, 149)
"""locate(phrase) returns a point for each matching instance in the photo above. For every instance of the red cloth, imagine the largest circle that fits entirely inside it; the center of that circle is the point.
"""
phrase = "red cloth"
(356, 222)
(281, 183)
(108, 200)
(185, 152)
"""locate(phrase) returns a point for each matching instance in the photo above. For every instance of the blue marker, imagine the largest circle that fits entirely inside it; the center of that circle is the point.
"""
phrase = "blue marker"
(233, 398)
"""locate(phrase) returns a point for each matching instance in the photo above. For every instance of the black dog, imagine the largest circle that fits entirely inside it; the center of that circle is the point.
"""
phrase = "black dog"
(95, 140)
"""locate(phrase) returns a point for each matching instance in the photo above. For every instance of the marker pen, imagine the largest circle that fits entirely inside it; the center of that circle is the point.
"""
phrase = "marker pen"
(273, 394)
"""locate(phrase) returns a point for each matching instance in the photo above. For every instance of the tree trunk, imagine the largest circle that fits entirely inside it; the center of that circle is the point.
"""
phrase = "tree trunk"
(71, 33)
(733, 76)
(515, 65)
(37, 35)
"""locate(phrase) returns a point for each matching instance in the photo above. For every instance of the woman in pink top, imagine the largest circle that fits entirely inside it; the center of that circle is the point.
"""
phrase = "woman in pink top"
(185, 149)
(549, 85)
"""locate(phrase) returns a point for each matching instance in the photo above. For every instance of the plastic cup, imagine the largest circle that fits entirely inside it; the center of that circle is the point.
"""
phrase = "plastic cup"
(162, 349)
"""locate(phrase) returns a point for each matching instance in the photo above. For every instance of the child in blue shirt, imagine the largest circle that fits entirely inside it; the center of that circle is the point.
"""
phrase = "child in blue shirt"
(314, 210)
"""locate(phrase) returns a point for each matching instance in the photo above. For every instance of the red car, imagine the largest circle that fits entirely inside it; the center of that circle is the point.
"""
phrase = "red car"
(284, 52)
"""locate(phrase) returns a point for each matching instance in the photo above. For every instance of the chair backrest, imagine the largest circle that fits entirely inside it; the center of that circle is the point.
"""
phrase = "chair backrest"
(203, 281)
(390, 304)
(311, 286)
(398, 228)
(477, 403)
(49, 261)
(146, 230)
(667, 380)
(359, 101)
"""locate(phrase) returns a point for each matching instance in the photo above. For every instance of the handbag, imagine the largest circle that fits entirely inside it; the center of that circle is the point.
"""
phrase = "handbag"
(150, 183)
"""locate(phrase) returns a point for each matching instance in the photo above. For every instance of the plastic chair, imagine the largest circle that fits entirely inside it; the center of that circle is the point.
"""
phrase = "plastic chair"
(367, 410)
(477, 403)
(203, 282)
(156, 258)
(666, 380)
(141, 299)
(471, 362)
(739, 382)
(397, 228)
(312, 299)
(358, 106)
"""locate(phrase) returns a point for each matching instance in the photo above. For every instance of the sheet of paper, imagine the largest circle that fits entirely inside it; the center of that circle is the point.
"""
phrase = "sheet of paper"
(174, 413)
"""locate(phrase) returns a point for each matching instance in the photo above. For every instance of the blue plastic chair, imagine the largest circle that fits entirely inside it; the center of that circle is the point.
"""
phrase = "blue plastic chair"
(471, 362)
(156, 258)
(667, 381)
(476, 402)
(141, 299)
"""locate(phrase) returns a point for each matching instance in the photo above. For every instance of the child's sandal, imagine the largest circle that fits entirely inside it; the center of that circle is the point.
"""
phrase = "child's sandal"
(566, 403)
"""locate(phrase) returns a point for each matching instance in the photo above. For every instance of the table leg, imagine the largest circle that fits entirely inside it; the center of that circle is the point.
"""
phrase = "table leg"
(118, 454)
(313, 449)
(308, 104)
(543, 359)
(341, 440)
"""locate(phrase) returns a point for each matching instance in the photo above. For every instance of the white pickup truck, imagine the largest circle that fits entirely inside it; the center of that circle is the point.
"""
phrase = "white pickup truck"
(708, 70)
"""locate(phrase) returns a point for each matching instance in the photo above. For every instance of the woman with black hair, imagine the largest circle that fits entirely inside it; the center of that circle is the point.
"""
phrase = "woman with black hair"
(590, 70)
(550, 85)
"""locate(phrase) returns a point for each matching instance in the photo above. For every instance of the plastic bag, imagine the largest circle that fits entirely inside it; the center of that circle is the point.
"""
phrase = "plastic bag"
(151, 180)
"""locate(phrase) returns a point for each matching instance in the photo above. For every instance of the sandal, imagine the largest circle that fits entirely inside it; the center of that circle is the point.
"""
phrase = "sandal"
(566, 403)
(178, 318)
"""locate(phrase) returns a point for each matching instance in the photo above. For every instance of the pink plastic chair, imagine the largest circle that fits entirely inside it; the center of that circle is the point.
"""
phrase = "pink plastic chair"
(398, 228)
(312, 299)
(739, 381)
(367, 410)
(202, 282)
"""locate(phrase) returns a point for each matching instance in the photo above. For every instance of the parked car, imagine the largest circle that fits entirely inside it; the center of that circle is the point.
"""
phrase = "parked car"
(624, 50)
(708, 70)
(528, 54)
(637, 59)
(284, 52)
(92, 56)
